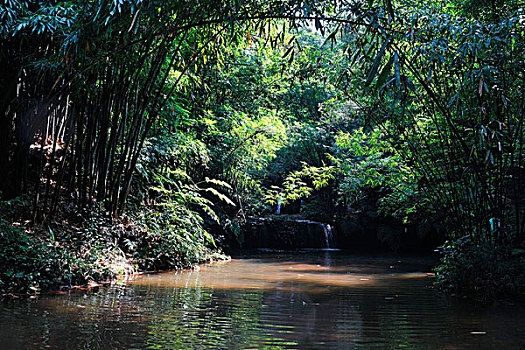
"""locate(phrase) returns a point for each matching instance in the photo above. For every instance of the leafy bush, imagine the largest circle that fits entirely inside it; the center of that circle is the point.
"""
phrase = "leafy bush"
(169, 236)
(481, 270)
(24, 261)
(30, 261)
(170, 232)
(45, 256)
(367, 163)
(300, 184)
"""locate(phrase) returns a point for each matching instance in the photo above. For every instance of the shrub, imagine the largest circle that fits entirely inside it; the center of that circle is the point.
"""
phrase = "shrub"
(481, 270)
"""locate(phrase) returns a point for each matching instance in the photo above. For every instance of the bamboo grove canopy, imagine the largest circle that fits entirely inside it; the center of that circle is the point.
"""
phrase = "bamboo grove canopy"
(83, 82)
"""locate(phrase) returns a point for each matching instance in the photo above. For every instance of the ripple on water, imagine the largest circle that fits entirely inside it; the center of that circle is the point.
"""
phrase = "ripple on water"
(306, 300)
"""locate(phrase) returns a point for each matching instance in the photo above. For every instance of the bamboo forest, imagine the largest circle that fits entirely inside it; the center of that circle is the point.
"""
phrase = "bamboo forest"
(262, 174)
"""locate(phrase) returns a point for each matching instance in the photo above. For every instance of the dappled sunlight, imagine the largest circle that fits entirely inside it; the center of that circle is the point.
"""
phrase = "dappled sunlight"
(139, 138)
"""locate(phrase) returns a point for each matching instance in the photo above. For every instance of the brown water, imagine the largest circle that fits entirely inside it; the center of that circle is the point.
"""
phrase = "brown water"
(269, 300)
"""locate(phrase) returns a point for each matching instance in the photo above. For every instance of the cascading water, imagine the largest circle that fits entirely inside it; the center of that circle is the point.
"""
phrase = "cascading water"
(328, 235)
(286, 233)
(327, 230)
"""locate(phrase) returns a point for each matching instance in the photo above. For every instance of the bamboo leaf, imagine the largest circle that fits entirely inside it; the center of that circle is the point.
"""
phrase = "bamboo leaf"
(330, 37)
(377, 61)
(451, 101)
(397, 70)
(383, 76)
(288, 51)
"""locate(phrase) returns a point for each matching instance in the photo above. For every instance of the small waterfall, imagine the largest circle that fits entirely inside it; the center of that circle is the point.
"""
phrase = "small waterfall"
(286, 233)
(328, 235)
(326, 229)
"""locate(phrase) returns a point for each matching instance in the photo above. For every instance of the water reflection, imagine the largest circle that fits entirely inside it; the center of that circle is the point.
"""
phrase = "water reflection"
(305, 300)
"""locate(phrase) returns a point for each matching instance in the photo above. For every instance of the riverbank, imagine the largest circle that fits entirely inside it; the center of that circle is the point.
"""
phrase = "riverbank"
(76, 250)
(482, 271)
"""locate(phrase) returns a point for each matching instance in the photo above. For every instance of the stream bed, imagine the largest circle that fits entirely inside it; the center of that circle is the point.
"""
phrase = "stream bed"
(308, 299)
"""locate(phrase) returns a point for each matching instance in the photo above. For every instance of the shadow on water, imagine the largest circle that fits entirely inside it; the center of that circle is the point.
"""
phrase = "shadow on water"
(269, 300)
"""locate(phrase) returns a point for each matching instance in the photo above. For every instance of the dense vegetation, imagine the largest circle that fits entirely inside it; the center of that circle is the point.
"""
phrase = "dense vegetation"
(144, 134)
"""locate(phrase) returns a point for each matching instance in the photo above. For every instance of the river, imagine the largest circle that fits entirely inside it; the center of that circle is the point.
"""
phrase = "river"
(309, 299)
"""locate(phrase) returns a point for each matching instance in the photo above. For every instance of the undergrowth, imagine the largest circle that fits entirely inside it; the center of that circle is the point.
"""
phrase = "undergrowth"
(79, 250)
(482, 271)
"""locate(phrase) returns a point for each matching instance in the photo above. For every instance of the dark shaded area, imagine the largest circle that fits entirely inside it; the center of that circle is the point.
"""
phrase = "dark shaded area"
(363, 232)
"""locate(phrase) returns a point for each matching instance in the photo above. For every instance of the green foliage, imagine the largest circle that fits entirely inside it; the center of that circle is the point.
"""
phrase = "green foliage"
(444, 90)
(366, 161)
(480, 270)
(32, 259)
(173, 151)
(173, 224)
(251, 143)
(27, 263)
(186, 108)
(260, 117)
(168, 236)
(300, 184)
(489, 10)
(22, 16)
